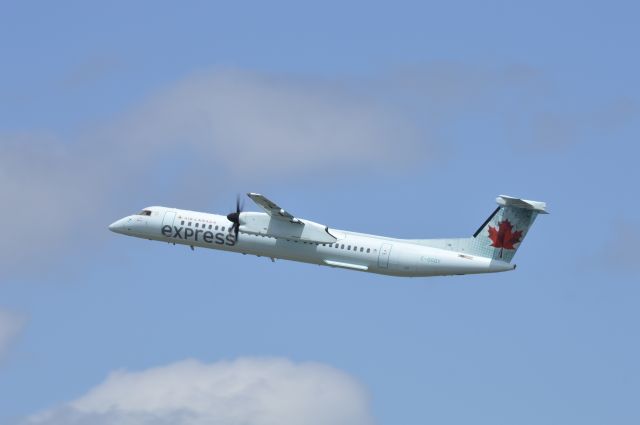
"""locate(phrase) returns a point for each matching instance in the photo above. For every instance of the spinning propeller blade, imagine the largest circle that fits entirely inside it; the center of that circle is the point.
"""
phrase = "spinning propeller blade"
(234, 217)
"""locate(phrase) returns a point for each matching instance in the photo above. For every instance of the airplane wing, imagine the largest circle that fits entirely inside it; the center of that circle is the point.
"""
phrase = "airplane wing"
(279, 223)
(272, 208)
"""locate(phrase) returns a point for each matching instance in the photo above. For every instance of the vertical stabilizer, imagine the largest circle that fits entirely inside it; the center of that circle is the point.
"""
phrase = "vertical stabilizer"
(500, 236)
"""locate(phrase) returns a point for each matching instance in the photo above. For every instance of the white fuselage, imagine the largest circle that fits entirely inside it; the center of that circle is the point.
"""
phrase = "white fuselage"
(356, 251)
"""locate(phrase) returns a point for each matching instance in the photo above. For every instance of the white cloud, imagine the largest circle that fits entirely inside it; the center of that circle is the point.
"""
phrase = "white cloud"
(246, 391)
(45, 189)
(263, 125)
(10, 326)
(228, 123)
(225, 126)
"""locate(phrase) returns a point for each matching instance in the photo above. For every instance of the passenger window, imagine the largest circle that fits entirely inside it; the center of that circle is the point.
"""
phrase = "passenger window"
(342, 246)
(361, 249)
(368, 250)
(348, 247)
(209, 227)
(197, 224)
(189, 224)
(222, 228)
(216, 227)
(182, 223)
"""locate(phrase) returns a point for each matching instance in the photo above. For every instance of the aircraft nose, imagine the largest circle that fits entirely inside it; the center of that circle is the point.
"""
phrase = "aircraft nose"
(117, 226)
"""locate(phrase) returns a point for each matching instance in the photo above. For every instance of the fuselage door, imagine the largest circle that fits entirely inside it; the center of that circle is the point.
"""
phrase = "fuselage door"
(383, 257)
(169, 216)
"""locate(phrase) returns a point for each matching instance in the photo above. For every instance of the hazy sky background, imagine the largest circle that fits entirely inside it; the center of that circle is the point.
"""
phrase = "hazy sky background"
(402, 118)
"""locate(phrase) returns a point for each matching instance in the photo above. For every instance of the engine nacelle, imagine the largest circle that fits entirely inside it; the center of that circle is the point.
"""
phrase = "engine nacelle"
(303, 230)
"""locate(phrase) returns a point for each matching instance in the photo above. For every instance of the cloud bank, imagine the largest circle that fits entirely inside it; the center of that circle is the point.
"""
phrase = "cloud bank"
(264, 126)
(225, 124)
(236, 127)
(246, 391)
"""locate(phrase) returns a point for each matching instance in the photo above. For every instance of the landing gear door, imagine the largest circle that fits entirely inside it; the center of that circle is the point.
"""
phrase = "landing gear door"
(169, 216)
(383, 257)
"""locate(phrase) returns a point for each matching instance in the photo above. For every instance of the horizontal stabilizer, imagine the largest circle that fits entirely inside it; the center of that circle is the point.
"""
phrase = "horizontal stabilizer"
(508, 201)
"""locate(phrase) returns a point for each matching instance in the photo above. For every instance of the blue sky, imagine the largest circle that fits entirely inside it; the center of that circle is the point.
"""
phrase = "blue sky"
(403, 119)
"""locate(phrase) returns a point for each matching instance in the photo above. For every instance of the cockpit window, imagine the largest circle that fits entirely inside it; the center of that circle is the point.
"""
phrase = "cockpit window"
(145, 212)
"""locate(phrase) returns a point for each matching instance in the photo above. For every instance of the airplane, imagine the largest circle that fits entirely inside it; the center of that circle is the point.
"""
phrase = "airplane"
(277, 234)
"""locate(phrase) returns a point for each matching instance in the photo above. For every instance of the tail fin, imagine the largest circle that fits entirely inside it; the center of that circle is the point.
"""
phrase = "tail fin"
(500, 236)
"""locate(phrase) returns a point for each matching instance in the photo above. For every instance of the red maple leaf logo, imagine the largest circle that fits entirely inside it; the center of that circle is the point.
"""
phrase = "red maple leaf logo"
(504, 237)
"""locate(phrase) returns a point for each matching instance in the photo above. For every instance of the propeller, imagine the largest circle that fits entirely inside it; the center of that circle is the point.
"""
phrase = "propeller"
(234, 217)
